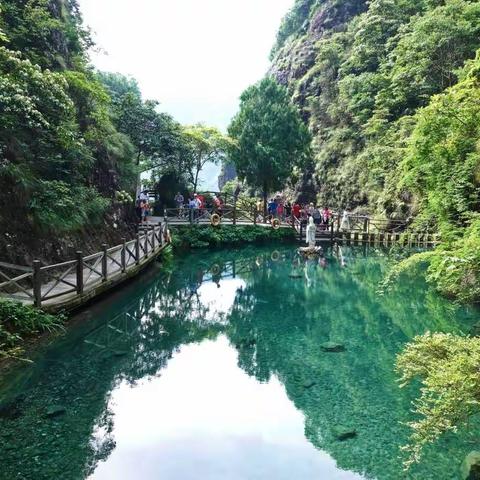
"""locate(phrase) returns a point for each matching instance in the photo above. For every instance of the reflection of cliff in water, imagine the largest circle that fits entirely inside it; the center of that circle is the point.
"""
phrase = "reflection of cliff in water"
(284, 311)
(351, 391)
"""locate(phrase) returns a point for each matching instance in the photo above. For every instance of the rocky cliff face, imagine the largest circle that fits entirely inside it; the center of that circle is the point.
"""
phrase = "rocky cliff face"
(294, 61)
(295, 56)
(359, 71)
(227, 174)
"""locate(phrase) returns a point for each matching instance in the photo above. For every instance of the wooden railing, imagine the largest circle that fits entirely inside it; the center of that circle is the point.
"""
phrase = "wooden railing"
(228, 215)
(45, 283)
(365, 229)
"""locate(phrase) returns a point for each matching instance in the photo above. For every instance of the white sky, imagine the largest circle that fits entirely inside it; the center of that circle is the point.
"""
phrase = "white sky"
(194, 56)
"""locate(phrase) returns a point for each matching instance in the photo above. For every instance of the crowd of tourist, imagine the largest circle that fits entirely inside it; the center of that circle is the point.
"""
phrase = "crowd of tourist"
(195, 205)
(287, 211)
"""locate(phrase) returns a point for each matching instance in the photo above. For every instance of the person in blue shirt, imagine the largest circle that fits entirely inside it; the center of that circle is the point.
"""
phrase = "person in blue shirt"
(272, 207)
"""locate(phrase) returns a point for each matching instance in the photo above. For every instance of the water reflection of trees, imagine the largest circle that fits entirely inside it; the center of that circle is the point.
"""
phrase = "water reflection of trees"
(276, 324)
(134, 344)
(338, 301)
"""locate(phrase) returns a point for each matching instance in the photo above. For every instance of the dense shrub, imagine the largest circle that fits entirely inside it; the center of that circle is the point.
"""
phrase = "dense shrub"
(200, 236)
(447, 365)
(18, 322)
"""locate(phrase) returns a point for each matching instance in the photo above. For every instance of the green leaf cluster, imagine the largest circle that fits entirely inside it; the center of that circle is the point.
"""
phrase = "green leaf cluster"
(447, 366)
(269, 136)
(18, 322)
(202, 237)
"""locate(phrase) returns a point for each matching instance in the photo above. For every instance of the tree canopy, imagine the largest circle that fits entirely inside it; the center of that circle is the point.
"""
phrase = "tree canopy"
(205, 144)
(270, 137)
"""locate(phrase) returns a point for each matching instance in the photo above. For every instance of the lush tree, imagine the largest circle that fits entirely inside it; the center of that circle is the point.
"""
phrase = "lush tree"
(158, 139)
(205, 144)
(270, 137)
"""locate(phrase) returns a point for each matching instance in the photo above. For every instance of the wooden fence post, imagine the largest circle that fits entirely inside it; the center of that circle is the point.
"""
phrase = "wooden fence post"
(255, 215)
(235, 212)
(37, 284)
(137, 249)
(123, 255)
(153, 239)
(104, 263)
(165, 215)
(160, 231)
(332, 229)
(146, 243)
(79, 272)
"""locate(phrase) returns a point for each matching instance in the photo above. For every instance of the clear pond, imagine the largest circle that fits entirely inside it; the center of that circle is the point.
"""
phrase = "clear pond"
(214, 369)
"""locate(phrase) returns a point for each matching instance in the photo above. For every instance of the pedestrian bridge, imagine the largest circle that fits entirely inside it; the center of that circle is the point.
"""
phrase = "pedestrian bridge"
(351, 228)
(68, 285)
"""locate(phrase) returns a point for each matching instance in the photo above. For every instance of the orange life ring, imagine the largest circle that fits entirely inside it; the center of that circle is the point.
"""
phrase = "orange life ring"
(215, 220)
(275, 223)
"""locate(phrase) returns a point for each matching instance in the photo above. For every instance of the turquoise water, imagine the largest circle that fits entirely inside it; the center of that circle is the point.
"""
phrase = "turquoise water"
(213, 369)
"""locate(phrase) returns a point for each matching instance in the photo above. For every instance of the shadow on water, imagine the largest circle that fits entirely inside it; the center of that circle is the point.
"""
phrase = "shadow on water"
(281, 313)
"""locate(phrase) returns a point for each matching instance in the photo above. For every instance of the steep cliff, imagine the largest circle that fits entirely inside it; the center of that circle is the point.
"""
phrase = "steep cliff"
(360, 72)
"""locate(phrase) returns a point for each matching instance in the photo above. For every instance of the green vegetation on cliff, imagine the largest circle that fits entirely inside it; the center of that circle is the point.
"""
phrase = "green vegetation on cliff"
(71, 138)
(391, 93)
(360, 74)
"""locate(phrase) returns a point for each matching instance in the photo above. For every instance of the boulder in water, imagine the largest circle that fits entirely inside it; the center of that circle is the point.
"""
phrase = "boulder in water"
(55, 411)
(332, 347)
(343, 433)
(10, 410)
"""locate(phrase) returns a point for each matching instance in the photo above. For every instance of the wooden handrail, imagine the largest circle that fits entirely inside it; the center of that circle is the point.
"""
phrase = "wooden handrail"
(74, 276)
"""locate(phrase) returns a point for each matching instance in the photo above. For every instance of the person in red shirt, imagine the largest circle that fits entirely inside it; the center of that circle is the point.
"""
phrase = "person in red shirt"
(296, 210)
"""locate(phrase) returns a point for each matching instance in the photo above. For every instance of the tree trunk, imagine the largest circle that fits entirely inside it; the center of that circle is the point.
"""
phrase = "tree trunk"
(195, 183)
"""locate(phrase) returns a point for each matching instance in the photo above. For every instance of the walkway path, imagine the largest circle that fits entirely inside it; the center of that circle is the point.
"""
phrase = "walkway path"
(70, 284)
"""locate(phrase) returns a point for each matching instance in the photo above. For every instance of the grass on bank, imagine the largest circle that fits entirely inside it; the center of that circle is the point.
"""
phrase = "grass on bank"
(19, 322)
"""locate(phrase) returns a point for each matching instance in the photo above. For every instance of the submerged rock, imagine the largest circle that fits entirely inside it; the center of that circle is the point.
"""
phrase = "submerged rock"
(309, 384)
(471, 466)
(120, 353)
(10, 410)
(342, 433)
(332, 347)
(55, 411)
